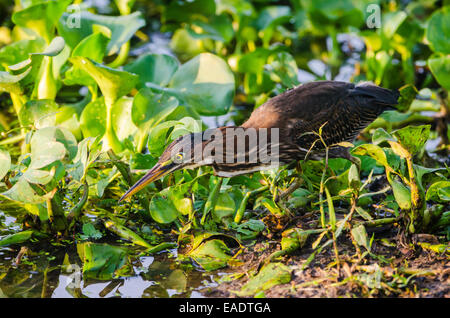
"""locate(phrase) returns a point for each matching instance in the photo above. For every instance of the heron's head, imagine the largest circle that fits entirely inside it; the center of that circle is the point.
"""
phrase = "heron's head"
(183, 153)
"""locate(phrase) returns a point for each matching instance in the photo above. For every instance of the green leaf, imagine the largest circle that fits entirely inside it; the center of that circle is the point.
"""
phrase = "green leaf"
(40, 113)
(38, 176)
(438, 30)
(53, 135)
(359, 234)
(153, 68)
(331, 213)
(380, 135)
(90, 232)
(373, 151)
(10, 83)
(413, 138)
(121, 118)
(101, 261)
(16, 238)
(440, 67)
(269, 276)
(93, 47)
(408, 94)
(205, 83)
(211, 254)
(93, 118)
(126, 233)
(162, 210)
(439, 191)
(402, 194)
(112, 82)
(22, 192)
(20, 50)
(41, 17)
(122, 28)
(151, 108)
(225, 208)
(218, 28)
(5, 163)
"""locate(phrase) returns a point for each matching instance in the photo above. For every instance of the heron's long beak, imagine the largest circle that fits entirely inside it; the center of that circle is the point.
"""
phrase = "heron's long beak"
(157, 172)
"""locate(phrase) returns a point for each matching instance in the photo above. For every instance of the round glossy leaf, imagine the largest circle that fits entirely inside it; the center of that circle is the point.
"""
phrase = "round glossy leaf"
(162, 210)
(40, 113)
(225, 207)
(440, 67)
(205, 83)
(93, 118)
(41, 17)
(438, 30)
(153, 68)
(150, 108)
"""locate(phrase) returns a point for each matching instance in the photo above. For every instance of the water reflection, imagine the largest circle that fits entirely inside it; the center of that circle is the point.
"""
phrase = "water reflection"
(59, 276)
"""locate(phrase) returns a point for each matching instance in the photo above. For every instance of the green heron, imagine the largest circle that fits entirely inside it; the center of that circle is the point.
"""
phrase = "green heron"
(289, 124)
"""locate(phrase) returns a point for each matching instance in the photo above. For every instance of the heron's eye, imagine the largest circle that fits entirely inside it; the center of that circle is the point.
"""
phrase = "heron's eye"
(178, 158)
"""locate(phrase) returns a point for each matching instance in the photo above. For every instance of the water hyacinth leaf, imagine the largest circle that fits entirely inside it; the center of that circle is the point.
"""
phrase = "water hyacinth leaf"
(93, 47)
(284, 69)
(380, 135)
(153, 68)
(408, 94)
(439, 191)
(225, 207)
(112, 82)
(150, 108)
(218, 28)
(187, 10)
(47, 153)
(126, 233)
(122, 28)
(41, 17)
(5, 163)
(299, 198)
(440, 67)
(121, 118)
(249, 229)
(413, 138)
(402, 194)
(40, 113)
(101, 261)
(273, 15)
(16, 238)
(211, 254)
(55, 134)
(269, 276)
(22, 192)
(399, 150)
(163, 210)
(373, 151)
(359, 234)
(93, 118)
(20, 50)
(10, 83)
(90, 232)
(438, 30)
(39, 176)
(205, 83)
